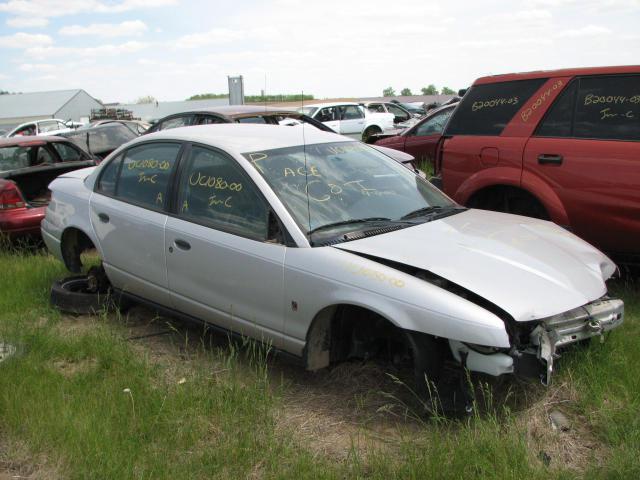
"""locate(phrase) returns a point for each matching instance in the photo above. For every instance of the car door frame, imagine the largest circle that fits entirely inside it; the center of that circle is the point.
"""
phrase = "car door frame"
(229, 320)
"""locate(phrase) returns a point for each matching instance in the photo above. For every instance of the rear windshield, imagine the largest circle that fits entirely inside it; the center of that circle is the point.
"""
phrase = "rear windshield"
(487, 109)
(13, 158)
(101, 139)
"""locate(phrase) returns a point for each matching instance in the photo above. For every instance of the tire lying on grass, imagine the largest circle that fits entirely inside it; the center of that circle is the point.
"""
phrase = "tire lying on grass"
(74, 295)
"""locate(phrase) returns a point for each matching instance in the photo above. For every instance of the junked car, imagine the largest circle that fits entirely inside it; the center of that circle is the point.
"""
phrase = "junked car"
(329, 250)
(49, 126)
(350, 119)
(27, 166)
(102, 139)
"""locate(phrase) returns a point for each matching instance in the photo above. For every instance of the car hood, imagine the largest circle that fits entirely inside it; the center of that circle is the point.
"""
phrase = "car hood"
(530, 268)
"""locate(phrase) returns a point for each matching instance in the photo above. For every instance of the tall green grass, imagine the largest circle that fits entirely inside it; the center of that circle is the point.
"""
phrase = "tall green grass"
(96, 407)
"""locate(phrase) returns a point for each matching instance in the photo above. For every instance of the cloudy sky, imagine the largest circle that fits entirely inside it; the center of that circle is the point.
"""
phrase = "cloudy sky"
(119, 50)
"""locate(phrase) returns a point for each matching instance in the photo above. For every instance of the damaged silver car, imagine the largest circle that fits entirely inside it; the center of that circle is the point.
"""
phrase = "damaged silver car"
(328, 249)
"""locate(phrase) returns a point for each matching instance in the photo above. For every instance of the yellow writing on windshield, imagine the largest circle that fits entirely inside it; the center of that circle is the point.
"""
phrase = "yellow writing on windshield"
(495, 102)
(255, 158)
(144, 178)
(312, 171)
(214, 201)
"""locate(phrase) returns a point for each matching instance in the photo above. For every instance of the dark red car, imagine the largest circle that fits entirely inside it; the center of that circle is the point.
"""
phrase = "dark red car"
(561, 145)
(27, 166)
(421, 140)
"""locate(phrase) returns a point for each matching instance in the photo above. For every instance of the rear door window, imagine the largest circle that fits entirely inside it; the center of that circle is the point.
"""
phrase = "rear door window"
(604, 107)
(68, 153)
(487, 109)
(608, 108)
(350, 112)
(144, 175)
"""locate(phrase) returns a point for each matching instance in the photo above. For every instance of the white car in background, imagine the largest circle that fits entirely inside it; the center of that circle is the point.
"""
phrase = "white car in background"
(350, 119)
(327, 249)
(50, 126)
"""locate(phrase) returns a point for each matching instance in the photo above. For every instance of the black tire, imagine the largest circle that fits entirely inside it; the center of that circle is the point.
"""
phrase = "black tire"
(368, 132)
(71, 295)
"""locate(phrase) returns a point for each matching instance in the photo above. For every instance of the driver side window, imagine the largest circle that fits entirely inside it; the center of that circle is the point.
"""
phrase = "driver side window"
(434, 125)
(214, 191)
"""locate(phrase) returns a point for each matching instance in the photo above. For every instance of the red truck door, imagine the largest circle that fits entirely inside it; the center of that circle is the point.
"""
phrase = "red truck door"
(587, 150)
(422, 140)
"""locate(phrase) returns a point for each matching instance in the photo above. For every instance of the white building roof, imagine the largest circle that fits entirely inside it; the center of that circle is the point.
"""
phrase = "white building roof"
(35, 104)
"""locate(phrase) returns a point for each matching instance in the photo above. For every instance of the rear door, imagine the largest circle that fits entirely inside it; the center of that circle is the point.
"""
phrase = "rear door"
(587, 149)
(222, 266)
(422, 140)
(128, 215)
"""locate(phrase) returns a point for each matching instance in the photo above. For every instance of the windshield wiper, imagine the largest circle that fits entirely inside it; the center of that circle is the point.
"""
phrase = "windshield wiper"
(433, 209)
(348, 222)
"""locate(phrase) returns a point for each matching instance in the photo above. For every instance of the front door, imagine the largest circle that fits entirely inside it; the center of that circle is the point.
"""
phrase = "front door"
(422, 140)
(351, 120)
(127, 214)
(221, 267)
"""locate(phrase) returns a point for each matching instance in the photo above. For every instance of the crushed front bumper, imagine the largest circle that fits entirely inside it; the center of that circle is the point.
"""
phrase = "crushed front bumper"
(593, 319)
(543, 339)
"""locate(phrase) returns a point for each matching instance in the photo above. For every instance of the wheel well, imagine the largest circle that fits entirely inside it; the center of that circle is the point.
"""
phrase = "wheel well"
(73, 243)
(373, 127)
(342, 332)
(509, 199)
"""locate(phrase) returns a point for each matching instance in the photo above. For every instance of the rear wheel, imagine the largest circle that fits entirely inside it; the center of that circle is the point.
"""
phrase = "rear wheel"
(373, 130)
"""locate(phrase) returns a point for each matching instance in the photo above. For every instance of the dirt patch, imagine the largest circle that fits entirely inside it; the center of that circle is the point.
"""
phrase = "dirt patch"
(17, 463)
(70, 368)
(573, 447)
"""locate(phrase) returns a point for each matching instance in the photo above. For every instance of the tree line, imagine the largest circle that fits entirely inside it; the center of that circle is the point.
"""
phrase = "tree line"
(430, 90)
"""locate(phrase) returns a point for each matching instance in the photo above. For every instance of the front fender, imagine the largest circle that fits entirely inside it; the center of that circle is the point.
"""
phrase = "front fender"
(319, 278)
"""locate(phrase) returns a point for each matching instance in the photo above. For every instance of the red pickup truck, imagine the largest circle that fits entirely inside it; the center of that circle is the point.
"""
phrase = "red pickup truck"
(561, 145)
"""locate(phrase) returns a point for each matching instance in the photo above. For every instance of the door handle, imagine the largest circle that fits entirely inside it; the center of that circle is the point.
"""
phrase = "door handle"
(544, 159)
(104, 218)
(182, 245)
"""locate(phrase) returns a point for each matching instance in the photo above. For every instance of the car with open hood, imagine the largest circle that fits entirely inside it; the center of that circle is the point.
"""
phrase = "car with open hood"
(326, 249)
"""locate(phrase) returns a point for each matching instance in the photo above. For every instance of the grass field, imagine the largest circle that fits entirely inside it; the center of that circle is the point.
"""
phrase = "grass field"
(97, 397)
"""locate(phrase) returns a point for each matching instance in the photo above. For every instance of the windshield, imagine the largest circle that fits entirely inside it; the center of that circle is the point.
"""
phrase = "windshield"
(344, 181)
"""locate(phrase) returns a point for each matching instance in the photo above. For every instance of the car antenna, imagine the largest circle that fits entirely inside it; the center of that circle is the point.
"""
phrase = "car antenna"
(306, 171)
(264, 94)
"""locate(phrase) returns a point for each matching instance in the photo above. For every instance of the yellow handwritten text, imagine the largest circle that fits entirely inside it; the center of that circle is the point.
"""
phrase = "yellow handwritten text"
(374, 274)
(214, 202)
(217, 183)
(152, 164)
(496, 102)
(313, 172)
(144, 178)
(544, 96)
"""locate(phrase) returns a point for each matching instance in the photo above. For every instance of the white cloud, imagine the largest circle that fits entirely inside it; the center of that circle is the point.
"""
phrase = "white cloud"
(124, 29)
(212, 37)
(28, 10)
(25, 40)
(108, 50)
(37, 67)
(586, 31)
(27, 22)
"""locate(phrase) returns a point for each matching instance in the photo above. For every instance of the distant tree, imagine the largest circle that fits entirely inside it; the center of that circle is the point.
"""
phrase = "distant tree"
(430, 90)
(406, 92)
(146, 99)
(447, 91)
(4, 92)
(388, 92)
(207, 96)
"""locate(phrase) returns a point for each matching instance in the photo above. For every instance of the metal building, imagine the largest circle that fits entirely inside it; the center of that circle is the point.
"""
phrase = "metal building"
(20, 108)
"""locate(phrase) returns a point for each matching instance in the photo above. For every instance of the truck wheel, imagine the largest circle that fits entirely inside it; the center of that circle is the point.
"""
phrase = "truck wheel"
(74, 295)
(368, 132)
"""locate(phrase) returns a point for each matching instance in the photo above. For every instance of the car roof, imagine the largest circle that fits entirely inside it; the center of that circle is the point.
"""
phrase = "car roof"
(567, 72)
(242, 138)
(29, 140)
(330, 104)
(237, 110)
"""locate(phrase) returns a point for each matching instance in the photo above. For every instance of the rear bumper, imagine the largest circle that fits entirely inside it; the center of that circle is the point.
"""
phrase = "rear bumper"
(21, 221)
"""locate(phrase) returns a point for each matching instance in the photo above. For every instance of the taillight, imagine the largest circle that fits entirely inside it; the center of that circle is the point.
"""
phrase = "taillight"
(10, 197)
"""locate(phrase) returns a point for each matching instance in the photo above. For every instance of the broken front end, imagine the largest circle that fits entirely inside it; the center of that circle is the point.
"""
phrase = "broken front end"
(535, 345)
